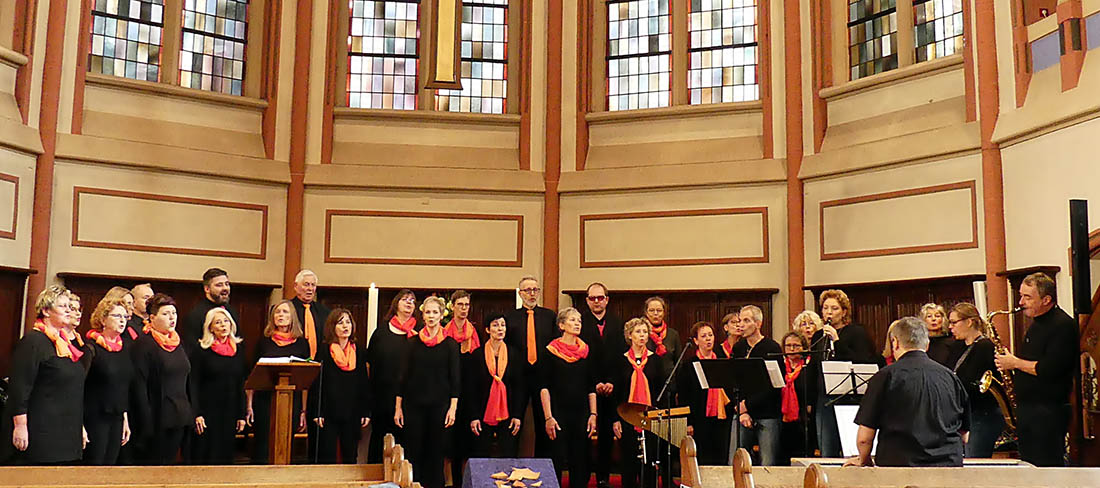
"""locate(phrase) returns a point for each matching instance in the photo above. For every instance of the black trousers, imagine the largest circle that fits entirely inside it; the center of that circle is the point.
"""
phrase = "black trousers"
(494, 441)
(165, 445)
(571, 449)
(217, 444)
(338, 436)
(423, 440)
(380, 425)
(538, 417)
(631, 462)
(458, 447)
(104, 438)
(1042, 433)
(712, 441)
(605, 438)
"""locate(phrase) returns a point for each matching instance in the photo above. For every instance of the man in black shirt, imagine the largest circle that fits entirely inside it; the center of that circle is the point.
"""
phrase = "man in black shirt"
(603, 332)
(1045, 370)
(530, 330)
(760, 414)
(918, 407)
(305, 301)
(215, 287)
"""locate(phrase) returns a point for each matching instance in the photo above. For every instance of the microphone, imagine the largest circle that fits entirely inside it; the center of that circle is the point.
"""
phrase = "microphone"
(829, 351)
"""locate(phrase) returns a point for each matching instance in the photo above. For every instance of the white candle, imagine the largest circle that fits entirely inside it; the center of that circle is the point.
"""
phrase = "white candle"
(372, 310)
(519, 300)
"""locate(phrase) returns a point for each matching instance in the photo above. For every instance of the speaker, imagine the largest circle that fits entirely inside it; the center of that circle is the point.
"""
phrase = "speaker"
(1079, 259)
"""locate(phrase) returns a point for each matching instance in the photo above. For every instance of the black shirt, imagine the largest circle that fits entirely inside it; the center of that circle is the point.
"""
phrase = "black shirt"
(48, 389)
(477, 382)
(855, 345)
(386, 355)
(320, 315)
(569, 385)
(430, 375)
(191, 332)
(605, 340)
(767, 404)
(920, 411)
(945, 350)
(975, 360)
(622, 372)
(161, 376)
(107, 388)
(691, 393)
(217, 385)
(546, 330)
(1052, 341)
(343, 394)
(673, 349)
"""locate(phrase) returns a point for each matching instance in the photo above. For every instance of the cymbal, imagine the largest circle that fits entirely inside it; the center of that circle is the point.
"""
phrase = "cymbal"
(634, 414)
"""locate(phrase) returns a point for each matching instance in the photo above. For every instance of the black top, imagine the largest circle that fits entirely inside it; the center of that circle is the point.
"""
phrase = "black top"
(546, 330)
(976, 359)
(477, 383)
(217, 384)
(766, 404)
(88, 352)
(605, 340)
(137, 324)
(343, 394)
(162, 400)
(320, 315)
(691, 393)
(386, 354)
(1052, 341)
(920, 410)
(267, 348)
(569, 384)
(44, 387)
(673, 348)
(191, 331)
(622, 371)
(107, 388)
(855, 345)
(128, 341)
(430, 375)
(945, 350)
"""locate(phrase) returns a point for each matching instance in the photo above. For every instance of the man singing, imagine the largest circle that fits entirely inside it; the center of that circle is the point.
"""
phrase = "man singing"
(1045, 366)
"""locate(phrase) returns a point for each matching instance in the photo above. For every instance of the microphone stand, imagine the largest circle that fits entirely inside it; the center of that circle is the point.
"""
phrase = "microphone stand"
(668, 406)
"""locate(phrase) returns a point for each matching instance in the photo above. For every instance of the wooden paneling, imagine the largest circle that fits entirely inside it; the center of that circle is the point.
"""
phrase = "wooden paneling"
(13, 285)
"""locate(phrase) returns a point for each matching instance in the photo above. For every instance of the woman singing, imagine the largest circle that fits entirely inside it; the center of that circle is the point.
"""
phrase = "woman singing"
(708, 422)
(218, 371)
(569, 399)
(339, 401)
(465, 334)
(283, 337)
(386, 353)
(638, 375)
(797, 397)
(850, 342)
(107, 388)
(986, 420)
(942, 347)
(493, 394)
(162, 371)
(427, 402)
(118, 293)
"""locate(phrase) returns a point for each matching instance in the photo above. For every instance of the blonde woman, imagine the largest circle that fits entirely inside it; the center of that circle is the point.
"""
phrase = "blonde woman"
(218, 370)
(942, 347)
(107, 387)
(568, 398)
(986, 421)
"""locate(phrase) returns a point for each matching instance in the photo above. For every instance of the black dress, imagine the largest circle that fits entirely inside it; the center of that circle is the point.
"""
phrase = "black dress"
(342, 398)
(217, 392)
(711, 434)
(430, 378)
(43, 386)
(261, 400)
(630, 445)
(163, 407)
(945, 350)
(106, 398)
(477, 382)
(569, 385)
(386, 353)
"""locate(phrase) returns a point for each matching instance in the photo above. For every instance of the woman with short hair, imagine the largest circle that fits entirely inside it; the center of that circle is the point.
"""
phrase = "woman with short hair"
(942, 347)
(339, 401)
(638, 378)
(569, 399)
(731, 325)
(851, 342)
(493, 393)
(162, 370)
(118, 293)
(797, 397)
(708, 421)
(218, 373)
(283, 337)
(107, 387)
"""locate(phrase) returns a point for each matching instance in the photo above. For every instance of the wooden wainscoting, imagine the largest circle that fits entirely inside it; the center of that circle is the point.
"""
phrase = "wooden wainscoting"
(13, 283)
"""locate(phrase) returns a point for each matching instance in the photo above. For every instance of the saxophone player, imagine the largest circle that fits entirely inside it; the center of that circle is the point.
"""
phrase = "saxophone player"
(1043, 371)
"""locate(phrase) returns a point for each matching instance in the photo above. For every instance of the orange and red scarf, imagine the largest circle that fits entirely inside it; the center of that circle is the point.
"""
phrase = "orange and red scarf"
(794, 366)
(657, 335)
(496, 409)
(465, 335)
(283, 339)
(408, 327)
(226, 347)
(167, 341)
(727, 347)
(434, 339)
(344, 357)
(716, 397)
(639, 384)
(108, 344)
(62, 347)
(568, 353)
(133, 334)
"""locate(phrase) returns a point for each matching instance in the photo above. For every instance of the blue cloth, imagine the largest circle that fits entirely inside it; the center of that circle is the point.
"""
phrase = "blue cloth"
(479, 471)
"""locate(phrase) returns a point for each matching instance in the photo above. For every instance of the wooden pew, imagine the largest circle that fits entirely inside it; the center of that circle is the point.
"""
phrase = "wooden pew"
(394, 468)
(741, 475)
(818, 476)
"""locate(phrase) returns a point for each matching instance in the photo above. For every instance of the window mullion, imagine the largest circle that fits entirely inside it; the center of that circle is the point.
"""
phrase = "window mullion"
(170, 48)
(425, 97)
(907, 46)
(254, 47)
(679, 10)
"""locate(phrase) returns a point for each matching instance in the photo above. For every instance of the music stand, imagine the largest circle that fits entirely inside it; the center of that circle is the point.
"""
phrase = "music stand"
(743, 377)
(283, 379)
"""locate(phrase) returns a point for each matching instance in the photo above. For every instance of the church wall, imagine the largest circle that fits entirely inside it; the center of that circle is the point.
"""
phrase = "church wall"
(16, 206)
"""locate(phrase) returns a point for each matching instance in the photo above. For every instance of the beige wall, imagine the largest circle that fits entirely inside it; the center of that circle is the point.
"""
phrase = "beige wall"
(16, 207)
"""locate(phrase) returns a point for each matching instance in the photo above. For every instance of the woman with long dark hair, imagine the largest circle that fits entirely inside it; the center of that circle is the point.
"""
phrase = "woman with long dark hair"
(218, 373)
(339, 401)
(386, 351)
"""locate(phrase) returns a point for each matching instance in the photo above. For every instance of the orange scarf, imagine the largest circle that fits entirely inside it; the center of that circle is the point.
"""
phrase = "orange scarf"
(432, 340)
(112, 346)
(344, 357)
(283, 339)
(466, 337)
(62, 347)
(408, 327)
(496, 409)
(226, 347)
(168, 341)
(570, 354)
(716, 397)
(727, 347)
(790, 396)
(657, 335)
(639, 384)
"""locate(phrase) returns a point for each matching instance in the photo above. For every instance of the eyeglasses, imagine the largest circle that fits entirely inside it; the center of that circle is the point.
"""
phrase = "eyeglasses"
(531, 291)
(953, 322)
(409, 299)
(597, 299)
(118, 316)
(462, 305)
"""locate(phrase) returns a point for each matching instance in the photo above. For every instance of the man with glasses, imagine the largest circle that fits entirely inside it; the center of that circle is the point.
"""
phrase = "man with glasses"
(603, 332)
(530, 330)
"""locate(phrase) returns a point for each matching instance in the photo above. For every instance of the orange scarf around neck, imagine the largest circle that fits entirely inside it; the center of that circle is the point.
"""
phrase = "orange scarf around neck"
(344, 357)
(716, 397)
(657, 335)
(570, 354)
(433, 339)
(110, 345)
(283, 339)
(465, 335)
(496, 409)
(226, 347)
(408, 326)
(167, 341)
(639, 384)
(62, 347)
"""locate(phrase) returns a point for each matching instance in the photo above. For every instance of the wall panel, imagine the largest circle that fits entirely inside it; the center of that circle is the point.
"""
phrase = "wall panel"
(16, 207)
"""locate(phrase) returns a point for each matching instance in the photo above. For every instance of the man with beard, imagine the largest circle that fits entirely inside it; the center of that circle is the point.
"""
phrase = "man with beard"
(215, 287)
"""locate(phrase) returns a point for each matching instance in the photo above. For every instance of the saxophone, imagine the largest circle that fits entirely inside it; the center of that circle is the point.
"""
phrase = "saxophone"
(1003, 389)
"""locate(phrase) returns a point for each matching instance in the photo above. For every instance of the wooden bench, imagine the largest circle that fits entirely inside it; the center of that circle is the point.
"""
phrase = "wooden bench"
(741, 475)
(394, 468)
(975, 476)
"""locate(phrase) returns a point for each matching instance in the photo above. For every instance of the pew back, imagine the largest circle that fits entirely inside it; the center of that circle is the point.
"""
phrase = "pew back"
(967, 477)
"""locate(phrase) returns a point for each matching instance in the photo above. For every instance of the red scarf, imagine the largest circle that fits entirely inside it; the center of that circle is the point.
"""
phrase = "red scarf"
(344, 357)
(727, 347)
(283, 339)
(226, 347)
(466, 337)
(716, 397)
(639, 384)
(133, 334)
(433, 340)
(496, 409)
(62, 347)
(112, 346)
(657, 335)
(408, 327)
(569, 354)
(790, 396)
(167, 341)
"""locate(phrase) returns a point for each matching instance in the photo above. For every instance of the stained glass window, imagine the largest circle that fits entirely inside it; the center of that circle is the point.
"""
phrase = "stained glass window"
(872, 37)
(484, 60)
(639, 45)
(212, 51)
(383, 38)
(939, 28)
(126, 38)
(722, 51)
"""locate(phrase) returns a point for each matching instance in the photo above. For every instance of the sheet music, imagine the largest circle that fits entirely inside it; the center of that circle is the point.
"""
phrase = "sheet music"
(848, 428)
(282, 360)
(699, 373)
(774, 374)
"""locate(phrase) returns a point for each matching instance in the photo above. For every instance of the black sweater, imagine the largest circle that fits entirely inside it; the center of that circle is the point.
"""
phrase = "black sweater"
(47, 388)
(477, 382)
(854, 344)
(107, 388)
(691, 394)
(622, 371)
(386, 356)
(342, 394)
(945, 350)
(569, 385)
(970, 370)
(764, 405)
(430, 375)
(161, 376)
(217, 384)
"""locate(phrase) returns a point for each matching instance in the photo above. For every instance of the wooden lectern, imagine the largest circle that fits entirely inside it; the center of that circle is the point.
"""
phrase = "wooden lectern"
(283, 379)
